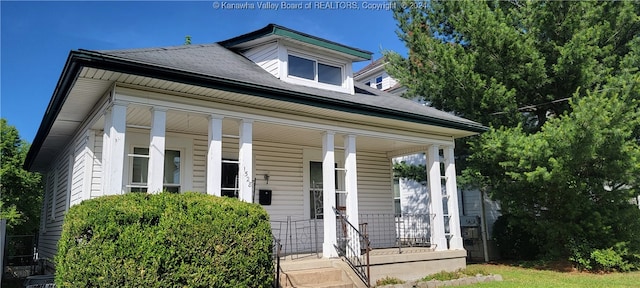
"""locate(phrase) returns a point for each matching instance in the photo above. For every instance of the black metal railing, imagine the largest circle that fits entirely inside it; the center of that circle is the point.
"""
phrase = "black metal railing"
(298, 237)
(277, 249)
(353, 245)
(398, 231)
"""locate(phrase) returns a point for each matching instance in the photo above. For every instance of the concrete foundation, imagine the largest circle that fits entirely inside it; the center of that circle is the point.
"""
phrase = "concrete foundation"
(413, 265)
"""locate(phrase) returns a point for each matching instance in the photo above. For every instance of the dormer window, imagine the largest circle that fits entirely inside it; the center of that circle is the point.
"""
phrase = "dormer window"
(379, 82)
(314, 70)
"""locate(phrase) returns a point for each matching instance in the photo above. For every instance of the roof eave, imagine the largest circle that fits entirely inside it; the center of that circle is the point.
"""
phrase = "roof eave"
(65, 82)
(85, 58)
(281, 31)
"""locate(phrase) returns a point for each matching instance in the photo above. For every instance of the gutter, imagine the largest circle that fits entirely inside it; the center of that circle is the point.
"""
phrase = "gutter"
(67, 79)
(85, 58)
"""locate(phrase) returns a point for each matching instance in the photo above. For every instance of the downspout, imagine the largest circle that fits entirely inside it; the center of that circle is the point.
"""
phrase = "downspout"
(484, 227)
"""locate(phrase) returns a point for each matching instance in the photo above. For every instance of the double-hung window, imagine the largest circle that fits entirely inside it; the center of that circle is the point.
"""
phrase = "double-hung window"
(140, 170)
(314, 70)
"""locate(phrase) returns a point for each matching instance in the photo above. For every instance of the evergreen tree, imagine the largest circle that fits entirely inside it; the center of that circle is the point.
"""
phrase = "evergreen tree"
(558, 82)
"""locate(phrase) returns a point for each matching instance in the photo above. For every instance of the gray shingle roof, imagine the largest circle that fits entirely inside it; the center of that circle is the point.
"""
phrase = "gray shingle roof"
(214, 60)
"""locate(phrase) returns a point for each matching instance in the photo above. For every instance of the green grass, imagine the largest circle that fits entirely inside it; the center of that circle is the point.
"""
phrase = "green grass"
(515, 276)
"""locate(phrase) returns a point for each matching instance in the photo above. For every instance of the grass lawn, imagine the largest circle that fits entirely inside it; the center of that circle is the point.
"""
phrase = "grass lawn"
(515, 276)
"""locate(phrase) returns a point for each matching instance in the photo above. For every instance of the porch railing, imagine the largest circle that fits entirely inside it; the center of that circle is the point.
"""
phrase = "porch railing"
(277, 249)
(299, 238)
(353, 245)
(398, 231)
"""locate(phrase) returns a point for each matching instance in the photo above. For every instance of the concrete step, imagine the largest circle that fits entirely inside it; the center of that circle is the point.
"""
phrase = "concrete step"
(318, 278)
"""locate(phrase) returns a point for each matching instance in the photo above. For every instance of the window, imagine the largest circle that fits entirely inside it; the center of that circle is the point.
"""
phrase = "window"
(140, 170)
(301, 67)
(315, 173)
(230, 178)
(397, 208)
(313, 70)
(379, 82)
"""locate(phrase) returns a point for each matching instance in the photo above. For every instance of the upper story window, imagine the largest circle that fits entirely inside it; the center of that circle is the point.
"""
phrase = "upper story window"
(379, 82)
(313, 70)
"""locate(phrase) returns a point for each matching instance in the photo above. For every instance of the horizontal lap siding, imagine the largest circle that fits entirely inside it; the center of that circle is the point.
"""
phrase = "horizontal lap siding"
(283, 164)
(375, 197)
(96, 179)
(200, 147)
(374, 183)
(266, 56)
(57, 184)
(77, 182)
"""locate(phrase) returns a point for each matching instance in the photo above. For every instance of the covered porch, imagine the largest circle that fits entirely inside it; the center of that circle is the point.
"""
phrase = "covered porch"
(281, 161)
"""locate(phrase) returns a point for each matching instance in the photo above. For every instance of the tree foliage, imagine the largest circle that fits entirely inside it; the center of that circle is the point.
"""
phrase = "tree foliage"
(491, 60)
(20, 190)
(558, 82)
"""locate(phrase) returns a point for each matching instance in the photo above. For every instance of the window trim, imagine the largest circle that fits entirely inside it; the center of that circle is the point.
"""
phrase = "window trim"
(130, 184)
(303, 81)
(140, 138)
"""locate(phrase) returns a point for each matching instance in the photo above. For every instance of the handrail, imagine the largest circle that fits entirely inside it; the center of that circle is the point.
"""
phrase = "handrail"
(278, 247)
(349, 245)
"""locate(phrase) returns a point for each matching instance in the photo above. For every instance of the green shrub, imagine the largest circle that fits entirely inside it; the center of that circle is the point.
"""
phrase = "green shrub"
(460, 273)
(388, 281)
(513, 240)
(165, 240)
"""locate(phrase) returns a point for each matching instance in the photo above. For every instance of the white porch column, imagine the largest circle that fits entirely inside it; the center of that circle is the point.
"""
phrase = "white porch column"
(328, 195)
(438, 236)
(155, 175)
(115, 161)
(245, 159)
(106, 153)
(214, 156)
(452, 190)
(351, 185)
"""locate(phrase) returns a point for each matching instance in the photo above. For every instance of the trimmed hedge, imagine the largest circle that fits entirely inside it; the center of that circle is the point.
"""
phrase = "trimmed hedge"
(165, 240)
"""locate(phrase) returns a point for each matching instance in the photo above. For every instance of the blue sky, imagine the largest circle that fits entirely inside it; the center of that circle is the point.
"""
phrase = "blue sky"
(36, 37)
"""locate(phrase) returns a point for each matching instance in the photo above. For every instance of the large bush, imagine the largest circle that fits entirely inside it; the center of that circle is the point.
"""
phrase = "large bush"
(165, 240)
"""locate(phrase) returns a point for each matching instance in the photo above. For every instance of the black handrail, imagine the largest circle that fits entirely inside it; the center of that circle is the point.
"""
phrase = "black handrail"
(278, 248)
(356, 255)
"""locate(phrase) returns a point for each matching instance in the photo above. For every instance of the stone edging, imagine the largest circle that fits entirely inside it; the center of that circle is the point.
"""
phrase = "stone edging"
(455, 282)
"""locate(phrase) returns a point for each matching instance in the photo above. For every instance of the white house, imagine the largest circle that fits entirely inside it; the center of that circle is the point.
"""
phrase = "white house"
(474, 207)
(267, 117)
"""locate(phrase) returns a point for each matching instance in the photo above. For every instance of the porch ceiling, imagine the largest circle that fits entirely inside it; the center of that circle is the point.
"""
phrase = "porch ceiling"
(182, 122)
(92, 85)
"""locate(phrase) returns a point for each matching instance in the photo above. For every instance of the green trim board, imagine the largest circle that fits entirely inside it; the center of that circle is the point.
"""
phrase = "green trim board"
(273, 29)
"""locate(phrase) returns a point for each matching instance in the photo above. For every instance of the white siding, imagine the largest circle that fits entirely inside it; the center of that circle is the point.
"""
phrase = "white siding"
(77, 178)
(56, 187)
(200, 164)
(375, 198)
(266, 56)
(283, 164)
(96, 177)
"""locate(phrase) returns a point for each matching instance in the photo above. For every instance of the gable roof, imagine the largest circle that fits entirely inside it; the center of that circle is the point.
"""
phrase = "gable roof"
(214, 66)
(273, 30)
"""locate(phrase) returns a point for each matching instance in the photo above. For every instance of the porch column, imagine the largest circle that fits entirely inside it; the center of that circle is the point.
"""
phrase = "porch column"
(155, 175)
(115, 160)
(351, 185)
(452, 190)
(106, 153)
(214, 156)
(438, 236)
(328, 195)
(245, 159)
